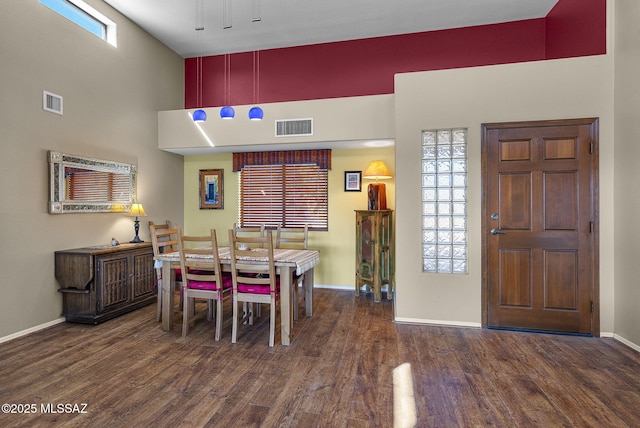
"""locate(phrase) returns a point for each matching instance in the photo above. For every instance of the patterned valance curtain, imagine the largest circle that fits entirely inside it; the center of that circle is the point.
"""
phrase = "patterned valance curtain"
(322, 158)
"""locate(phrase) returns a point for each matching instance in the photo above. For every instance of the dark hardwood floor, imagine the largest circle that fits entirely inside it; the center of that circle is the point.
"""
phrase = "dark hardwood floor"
(338, 372)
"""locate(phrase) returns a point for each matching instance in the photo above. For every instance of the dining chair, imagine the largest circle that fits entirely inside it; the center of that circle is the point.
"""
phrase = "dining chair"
(164, 239)
(253, 283)
(293, 237)
(250, 230)
(202, 278)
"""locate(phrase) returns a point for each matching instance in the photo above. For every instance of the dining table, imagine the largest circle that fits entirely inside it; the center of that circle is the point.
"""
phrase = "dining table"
(287, 262)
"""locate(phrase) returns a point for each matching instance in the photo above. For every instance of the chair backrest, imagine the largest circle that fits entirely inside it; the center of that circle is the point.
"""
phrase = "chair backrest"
(165, 225)
(255, 248)
(164, 238)
(258, 231)
(194, 263)
(292, 237)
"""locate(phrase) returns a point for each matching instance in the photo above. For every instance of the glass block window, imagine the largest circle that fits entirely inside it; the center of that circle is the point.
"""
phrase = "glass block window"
(444, 201)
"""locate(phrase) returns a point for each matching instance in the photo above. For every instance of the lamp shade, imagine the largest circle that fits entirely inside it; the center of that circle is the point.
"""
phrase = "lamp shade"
(377, 170)
(137, 211)
(227, 112)
(256, 113)
(199, 116)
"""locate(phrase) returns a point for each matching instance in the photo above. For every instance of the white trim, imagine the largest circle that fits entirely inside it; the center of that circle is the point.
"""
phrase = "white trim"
(619, 338)
(627, 342)
(336, 287)
(347, 287)
(110, 36)
(31, 330)
(438, 322)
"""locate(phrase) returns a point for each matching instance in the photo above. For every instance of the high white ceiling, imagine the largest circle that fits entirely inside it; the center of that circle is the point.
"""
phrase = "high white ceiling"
(284, 23)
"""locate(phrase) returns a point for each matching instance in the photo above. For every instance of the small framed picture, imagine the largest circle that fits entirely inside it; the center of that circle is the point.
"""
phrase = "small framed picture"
(353, 181)
(211, 189)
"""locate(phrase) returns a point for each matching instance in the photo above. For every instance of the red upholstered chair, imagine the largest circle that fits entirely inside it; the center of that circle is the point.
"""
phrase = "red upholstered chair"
(293, 237)
(253, 283)
(202, 278)
(164, 239)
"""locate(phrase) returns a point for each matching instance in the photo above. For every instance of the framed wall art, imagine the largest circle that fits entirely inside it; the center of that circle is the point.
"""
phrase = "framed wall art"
(353, 181)
(211, 189)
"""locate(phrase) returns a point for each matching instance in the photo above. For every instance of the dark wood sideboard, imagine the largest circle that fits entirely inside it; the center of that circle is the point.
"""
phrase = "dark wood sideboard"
(99, 283)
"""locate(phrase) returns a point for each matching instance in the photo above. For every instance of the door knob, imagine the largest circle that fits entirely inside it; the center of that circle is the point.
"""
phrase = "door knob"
(498, 232)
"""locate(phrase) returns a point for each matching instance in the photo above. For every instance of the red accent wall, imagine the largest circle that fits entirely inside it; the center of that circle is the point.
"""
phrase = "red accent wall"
(576, 28)
(367, 66)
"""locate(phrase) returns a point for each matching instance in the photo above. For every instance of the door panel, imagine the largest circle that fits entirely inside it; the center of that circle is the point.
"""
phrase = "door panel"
(539, 220)
(515, 278)
(561, 280)
(561, 200)
(515, 192)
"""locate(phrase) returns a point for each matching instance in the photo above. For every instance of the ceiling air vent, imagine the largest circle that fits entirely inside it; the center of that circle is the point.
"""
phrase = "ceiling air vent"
(51, 102)
(294, 127)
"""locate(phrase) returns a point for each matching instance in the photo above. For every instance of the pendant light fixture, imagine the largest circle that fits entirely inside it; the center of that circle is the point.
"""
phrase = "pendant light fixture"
(199, 115)
(227, 112)
(256, 113)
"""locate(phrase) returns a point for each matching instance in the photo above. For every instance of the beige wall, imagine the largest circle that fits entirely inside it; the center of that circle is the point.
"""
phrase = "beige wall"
(111, 98)
(571, 88)
(345, 119)
(337, 246)
(627, 172)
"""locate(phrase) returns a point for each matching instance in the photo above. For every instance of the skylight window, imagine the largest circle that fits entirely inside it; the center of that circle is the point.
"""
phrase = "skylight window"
(85, 16)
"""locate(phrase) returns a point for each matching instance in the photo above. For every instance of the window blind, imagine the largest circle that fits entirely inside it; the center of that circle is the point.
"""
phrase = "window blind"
(290, 195)
(84, 185)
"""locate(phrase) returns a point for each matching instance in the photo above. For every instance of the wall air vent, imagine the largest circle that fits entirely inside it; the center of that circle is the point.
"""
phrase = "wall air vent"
(294, 127)
(51, 102)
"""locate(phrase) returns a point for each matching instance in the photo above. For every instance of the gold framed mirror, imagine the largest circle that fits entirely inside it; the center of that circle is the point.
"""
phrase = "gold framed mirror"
(80, 184)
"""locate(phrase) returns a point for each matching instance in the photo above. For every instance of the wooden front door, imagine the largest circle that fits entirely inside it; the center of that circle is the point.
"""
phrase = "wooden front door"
(540, 257)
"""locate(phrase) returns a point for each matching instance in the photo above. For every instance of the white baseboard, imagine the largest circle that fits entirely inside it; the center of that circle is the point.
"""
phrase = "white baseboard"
(335, 287)
(619, 338)
(384, 288)
(438, 322)
(627, 342)
(31, 330)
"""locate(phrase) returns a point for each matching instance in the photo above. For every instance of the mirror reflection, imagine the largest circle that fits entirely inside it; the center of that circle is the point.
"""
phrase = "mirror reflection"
(81, 184)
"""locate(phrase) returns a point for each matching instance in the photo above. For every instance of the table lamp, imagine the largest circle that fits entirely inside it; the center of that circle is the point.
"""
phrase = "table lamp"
(377, 192)
(137, 211)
